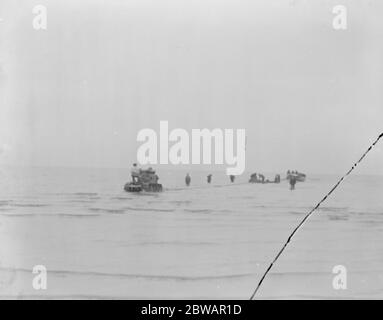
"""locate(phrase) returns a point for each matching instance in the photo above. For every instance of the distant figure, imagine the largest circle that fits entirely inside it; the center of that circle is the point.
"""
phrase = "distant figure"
(135, 172)
(187, 179)
(253, 178)
(261, 177)
(293, 181)
(277, 178)
(232, 178)
(288, 172)
(209, 178)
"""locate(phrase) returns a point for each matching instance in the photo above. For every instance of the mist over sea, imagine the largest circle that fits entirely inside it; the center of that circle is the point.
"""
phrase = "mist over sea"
(202, 241)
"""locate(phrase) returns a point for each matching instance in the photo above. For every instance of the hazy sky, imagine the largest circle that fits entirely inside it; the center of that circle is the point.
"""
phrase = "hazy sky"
(76, 94)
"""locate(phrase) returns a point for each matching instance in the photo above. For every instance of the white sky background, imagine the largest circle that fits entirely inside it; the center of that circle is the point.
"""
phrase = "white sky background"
(76, 94)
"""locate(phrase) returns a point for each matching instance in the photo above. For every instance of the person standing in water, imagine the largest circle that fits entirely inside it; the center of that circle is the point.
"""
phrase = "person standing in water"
(253, 178)
(293, 181)
(209, 178)
(232, 178)
(187, 179)
(135, 172)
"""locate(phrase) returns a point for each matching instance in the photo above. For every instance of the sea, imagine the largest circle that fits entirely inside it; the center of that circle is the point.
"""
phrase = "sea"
(205, 241)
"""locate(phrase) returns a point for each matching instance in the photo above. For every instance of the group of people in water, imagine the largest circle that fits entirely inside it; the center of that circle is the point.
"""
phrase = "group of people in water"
(292, 177)
(254, 178)
(148, 175)
(208, 177)
(260, 178)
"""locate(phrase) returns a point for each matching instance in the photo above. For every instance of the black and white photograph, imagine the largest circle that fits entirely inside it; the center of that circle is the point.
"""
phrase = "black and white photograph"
(191, 150)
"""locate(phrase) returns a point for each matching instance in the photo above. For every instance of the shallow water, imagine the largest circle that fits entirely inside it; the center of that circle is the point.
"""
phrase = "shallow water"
(205, 241)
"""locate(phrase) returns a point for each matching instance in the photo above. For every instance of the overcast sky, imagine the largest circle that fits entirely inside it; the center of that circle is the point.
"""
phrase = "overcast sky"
(76, 94)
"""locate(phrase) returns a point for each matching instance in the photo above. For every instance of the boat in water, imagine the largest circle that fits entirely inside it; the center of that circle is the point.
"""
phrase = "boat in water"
(147, 180)
(300, 177)
(254, 178)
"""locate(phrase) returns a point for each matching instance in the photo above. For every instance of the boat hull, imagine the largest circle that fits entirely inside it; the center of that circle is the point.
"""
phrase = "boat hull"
(300, 177)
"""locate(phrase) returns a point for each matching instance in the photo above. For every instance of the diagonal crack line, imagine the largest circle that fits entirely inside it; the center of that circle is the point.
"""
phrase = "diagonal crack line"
(311, 212)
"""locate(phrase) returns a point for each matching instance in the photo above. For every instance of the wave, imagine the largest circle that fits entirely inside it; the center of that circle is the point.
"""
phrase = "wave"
(15, 214)
(175, 243)
(115, 211)
(180, 202)
(334, 217)
(167, 277)
(206, 186)
(199, 210)
(29, 205)
(68, 215)
(81, 194)
(90, 200)
(159, 277)
(90, 194)
(149, 209)
(125, 209)
(298, 212)
(121, 198)
(333, 209)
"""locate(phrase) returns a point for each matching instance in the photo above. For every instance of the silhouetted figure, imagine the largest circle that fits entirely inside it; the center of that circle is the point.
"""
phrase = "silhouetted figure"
(187, 179)
(253, 178)
(209, 178)
(135, 172)
(277, 178)
(293, 181)
(262, 177)
(232, 178)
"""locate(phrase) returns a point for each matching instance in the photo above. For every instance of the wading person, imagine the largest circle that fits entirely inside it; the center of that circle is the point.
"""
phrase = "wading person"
(293, 181)
(232, 178)
(209, 178)
(135, 172)
(187, 179)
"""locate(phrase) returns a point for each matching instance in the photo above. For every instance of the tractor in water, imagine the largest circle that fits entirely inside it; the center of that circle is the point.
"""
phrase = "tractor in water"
(147, 180)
